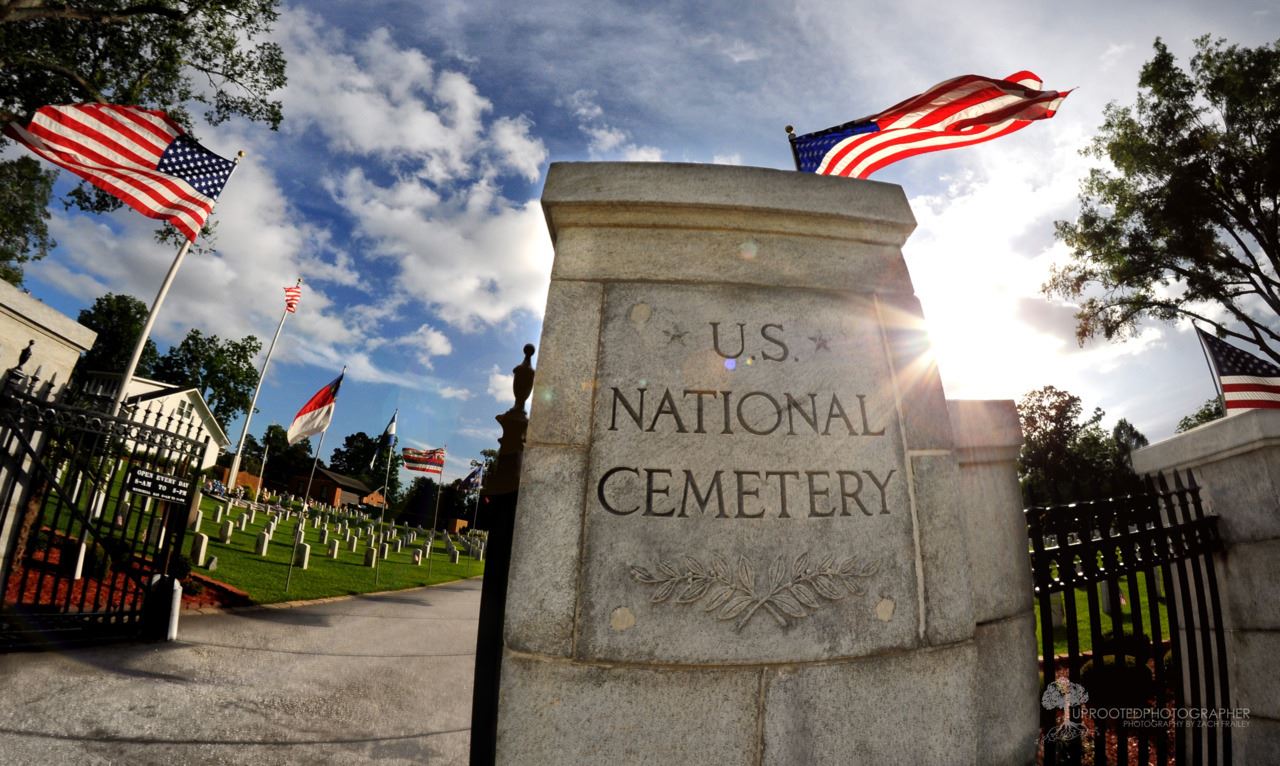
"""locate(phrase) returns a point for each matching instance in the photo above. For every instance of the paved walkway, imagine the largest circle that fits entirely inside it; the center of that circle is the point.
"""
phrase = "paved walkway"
(383, 679)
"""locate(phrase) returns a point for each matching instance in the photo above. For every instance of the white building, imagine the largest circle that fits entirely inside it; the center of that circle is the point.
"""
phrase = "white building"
(162, 404)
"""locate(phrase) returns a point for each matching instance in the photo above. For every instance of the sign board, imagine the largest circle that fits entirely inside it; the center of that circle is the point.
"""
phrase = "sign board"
(160, 486)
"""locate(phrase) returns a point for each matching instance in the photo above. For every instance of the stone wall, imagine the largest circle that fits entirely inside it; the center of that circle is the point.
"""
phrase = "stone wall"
(59, 341)
(744, 509)
(1236, 460)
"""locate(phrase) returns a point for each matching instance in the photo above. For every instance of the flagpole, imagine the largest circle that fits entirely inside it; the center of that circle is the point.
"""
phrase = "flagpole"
(306, 504)
(382, 518)
(436, 516)
(306, 496)
(262, 472)
(127, 377)
(248, 416)
(1213, 370)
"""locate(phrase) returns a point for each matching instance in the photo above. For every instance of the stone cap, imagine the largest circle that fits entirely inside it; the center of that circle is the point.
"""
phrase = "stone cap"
(50, 320)
(1218, 440)
(985, 431)
(643, 194)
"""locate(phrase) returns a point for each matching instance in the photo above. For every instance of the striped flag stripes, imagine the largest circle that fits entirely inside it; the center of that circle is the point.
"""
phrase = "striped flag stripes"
(959, 112)
(140, 156)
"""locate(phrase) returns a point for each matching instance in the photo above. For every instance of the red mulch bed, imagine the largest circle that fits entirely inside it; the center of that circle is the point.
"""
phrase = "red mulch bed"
(212, 594)
(27, 587)
(117, 591)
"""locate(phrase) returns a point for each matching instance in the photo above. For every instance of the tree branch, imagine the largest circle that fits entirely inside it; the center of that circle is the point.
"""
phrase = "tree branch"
(71, 75)
(18, 12)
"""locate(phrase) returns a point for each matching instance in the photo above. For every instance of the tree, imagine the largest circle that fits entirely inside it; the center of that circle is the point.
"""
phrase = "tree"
(25, 188)
(118, 320)
(1210, 411)
(365, 458)
(1188, 218)
(1064, 452)
(161, 55)
(223, 371)
(251, 459)
(284, 462)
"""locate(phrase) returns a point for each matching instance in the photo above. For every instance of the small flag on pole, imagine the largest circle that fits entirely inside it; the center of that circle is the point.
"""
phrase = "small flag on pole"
(292, 295)
(388, 438)
(426, 461)
(472, 479)
(958, 112)
(138, 155)
(315, 415)
(1248, 383)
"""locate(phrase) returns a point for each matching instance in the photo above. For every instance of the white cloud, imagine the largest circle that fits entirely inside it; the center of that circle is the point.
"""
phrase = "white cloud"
(426, 342)
(517, 149)
(453, 392)
(727, 159)
(1113, 54)
(606, 141)
(500, 385)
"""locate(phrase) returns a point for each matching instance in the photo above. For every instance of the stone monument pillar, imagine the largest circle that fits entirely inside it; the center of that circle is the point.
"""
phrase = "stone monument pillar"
(741, 532)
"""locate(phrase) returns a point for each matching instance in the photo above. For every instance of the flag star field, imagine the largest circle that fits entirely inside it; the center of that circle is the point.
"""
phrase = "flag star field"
(403, 187)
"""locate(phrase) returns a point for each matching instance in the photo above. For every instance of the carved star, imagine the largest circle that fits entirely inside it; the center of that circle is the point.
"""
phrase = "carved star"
(675, 335)
(820, 342)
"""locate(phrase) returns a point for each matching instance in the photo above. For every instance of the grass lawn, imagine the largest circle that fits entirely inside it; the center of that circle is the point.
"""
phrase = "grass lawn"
(1082, 615)
(263, 577)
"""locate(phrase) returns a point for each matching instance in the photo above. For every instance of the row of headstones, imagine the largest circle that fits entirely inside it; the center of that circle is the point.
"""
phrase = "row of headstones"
(380, 541)
(1058, 609)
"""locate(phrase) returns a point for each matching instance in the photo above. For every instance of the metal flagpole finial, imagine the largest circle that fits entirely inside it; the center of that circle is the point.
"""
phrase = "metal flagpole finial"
(240, 155)
(791, 130)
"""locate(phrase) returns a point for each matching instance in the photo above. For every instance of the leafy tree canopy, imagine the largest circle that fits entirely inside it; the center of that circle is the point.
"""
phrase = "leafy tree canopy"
(1065, 452)
(1183, 224)
(118, 320)
(283, 461)
(223, 371)
(358, 452)
(1210, 411)
(25, 187)
(165, 54)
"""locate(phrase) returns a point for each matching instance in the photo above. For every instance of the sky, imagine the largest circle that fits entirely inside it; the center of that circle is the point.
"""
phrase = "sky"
(403, 188)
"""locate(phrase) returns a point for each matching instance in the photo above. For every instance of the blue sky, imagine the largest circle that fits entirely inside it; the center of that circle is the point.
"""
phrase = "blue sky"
(403, 187)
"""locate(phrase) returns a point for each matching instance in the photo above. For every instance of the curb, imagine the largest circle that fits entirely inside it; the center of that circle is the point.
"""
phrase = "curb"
(186, 612)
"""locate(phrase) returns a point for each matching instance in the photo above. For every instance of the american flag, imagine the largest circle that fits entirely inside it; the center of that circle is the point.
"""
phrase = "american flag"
(138, 155)
(1248, 383)
(292, 295)
(959, 112)
(426, 461)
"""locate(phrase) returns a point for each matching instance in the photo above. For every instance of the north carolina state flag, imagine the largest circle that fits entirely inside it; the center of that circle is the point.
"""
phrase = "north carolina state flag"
(315, 415)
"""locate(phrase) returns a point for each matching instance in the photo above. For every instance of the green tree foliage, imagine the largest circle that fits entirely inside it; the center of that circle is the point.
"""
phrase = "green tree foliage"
(118, 320)
(1186, 217)
(354, 457)
(223, 371)
(284, 462)
(162, 55)
(250, 461)
(1064, 452)
(25, 187)
(1210, 411)
(419, 506)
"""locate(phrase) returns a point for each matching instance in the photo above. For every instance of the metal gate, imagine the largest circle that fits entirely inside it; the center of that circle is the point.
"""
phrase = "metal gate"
(80, 553)
(1133, 654)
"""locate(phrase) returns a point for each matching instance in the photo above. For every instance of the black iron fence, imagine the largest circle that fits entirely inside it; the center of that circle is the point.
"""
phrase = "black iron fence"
(93, 511)
(1133, 653)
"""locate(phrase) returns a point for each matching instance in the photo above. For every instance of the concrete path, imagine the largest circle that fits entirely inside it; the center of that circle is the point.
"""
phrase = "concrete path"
(383, 679)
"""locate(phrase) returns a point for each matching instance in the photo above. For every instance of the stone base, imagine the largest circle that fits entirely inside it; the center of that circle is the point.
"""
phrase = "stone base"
(913, 707)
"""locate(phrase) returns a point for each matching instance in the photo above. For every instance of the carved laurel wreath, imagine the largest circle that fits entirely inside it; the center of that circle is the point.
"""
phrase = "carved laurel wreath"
(793, 592)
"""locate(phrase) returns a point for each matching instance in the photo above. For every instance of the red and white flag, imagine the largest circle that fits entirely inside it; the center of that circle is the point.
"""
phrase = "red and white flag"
(315, 415)
(292, 296)
(958, 112)
(137, 155)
